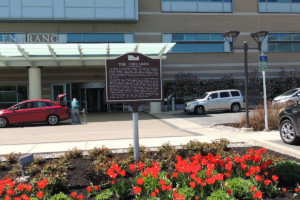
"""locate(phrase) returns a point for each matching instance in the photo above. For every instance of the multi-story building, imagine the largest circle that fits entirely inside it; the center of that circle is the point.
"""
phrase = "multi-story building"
(52, 30)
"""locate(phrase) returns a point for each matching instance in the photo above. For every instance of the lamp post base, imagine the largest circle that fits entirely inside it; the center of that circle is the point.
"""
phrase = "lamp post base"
(247, 129)
(23, 179)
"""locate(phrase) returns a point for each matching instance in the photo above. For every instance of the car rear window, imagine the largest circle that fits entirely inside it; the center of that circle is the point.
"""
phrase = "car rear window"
(40, 104)
(49, 104)
(235, 93)
(224, 94)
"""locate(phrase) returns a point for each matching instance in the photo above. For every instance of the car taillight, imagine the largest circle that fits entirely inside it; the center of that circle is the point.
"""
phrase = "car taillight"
(281, 110)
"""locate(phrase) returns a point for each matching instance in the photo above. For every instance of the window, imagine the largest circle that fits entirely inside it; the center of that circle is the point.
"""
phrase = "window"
(50, 104)
(284, 42)
(95, 37)
(224, 94)
(279, 6)
(196, 42)
(214, 96)
(235, 93)
(39, 104)
(23, 106)
(197, 6)
(12, 94)
(278, 1)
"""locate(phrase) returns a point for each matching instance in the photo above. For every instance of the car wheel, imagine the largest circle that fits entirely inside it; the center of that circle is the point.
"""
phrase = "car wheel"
(288, 133)
(199, 110)
(3, 122)
(53, 119)
(235, 107)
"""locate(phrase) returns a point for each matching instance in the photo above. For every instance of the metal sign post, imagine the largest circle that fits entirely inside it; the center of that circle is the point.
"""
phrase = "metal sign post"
(263, 66)
(135, 119)
(133, 79)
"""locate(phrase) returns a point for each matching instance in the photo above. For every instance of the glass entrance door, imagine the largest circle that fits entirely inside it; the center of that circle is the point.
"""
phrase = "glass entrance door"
(92, 99)
(61, 88)
(57, 89)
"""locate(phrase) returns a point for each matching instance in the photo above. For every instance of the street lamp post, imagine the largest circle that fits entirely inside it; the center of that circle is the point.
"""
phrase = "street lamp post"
(246, 125)
(230, 36)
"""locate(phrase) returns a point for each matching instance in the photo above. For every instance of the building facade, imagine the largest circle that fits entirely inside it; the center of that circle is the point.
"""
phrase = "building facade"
(196, 26)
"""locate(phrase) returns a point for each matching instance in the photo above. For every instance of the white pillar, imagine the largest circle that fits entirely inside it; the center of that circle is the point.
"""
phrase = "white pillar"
(35, 83)
(155, 107)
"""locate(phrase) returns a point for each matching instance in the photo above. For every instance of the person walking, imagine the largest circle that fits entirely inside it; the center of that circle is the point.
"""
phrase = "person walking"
(75, 111)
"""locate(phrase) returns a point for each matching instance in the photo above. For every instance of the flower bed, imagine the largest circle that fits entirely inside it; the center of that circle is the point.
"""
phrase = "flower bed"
(196, 171)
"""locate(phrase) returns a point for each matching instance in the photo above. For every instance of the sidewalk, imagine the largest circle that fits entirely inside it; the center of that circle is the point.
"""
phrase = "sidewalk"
(115, 131)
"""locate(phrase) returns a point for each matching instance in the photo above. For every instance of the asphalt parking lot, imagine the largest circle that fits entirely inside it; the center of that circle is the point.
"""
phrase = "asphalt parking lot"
(220, 118)
(211, 118)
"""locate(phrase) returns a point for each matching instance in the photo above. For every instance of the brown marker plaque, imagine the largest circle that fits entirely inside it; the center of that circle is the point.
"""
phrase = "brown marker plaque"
(133, 78)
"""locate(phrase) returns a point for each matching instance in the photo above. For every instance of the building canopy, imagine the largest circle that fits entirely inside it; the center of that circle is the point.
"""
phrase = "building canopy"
(75, 54)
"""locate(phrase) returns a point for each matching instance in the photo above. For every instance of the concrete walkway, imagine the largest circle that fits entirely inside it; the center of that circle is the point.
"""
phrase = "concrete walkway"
(115, 131)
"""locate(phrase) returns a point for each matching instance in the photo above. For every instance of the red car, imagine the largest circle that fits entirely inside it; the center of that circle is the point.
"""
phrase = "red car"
(38, 110)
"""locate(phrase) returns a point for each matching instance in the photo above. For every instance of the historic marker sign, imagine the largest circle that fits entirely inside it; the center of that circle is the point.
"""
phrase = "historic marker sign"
(133, 78)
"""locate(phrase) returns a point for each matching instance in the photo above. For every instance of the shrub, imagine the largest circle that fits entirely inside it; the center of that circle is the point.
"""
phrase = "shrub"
(240, 188)
(12, 157)
(74, 153)
(99, 152)
(106, 194)
(220, 195)
(39, 160)
(257, 117)
(60, 196)
(3, 166)
(121, 188)
(288, 172)
(217, 146)
(166, 155)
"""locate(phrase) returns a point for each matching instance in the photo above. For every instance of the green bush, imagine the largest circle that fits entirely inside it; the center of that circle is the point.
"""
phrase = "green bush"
(288, 172)
(3, 166)
(60, 196)
(106, 194)
(217, 146)
(220, 195)
(121, 188)
(12, 157)
(74, 153)
(100, 152)
(240, 188)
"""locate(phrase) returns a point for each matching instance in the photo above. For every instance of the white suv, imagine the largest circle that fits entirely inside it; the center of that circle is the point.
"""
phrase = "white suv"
(216, 100)
(291, 95)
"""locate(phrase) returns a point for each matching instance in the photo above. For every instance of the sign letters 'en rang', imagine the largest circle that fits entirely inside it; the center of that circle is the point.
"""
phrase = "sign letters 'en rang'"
(133, 78)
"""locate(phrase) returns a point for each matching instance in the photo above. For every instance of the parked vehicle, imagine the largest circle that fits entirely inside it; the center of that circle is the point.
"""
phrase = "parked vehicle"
(291, 95)
(289, 123)
(216, 100)
(39, 110)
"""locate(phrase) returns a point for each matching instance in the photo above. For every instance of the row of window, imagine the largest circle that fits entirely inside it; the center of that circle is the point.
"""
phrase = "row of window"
(66, 37)
(201, 0)
(195, 42)
(203, 6)
(205, 42)
(284, 42)
(185, 42)
(279, 1)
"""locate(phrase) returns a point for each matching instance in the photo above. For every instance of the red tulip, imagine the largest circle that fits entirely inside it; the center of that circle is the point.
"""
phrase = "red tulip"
(73, 194)
(89, 188)
(40, 194)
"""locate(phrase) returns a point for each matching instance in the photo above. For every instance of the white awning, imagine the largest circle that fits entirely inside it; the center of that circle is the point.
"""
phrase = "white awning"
(75, 54)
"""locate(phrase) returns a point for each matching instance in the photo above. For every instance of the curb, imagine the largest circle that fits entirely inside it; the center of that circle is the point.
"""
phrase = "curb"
(275, 147)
